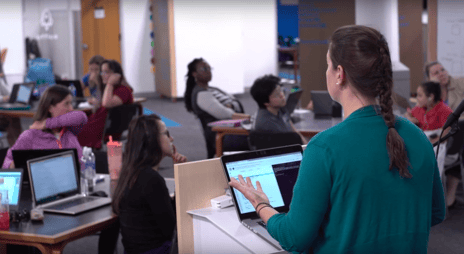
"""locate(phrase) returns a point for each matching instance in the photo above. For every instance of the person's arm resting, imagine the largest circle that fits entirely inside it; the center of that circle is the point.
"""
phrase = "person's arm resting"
(297, 230)
(109, 99)
(210, 105)
(74, 120)
(303, 139)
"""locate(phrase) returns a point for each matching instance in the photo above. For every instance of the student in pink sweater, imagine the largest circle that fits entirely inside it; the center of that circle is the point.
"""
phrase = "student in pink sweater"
(55, 125)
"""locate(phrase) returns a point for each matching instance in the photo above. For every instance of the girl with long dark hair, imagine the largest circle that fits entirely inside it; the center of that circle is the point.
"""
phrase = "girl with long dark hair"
(141, 198)
(369, 184)
(116, 92)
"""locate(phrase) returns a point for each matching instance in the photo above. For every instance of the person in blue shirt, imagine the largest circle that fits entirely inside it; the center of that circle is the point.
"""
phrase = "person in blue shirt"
(92, 80)
(369, 184)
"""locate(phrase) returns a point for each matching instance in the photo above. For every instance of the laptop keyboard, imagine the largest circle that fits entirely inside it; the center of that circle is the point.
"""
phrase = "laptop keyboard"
(71, 203)
(262, 224)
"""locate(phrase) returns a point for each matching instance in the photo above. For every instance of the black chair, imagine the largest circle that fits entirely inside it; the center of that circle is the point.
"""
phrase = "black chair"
(117, 121)
(263, 140)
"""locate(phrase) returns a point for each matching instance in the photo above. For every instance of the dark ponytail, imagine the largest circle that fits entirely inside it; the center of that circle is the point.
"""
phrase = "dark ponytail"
(192, 67)
(365, 57)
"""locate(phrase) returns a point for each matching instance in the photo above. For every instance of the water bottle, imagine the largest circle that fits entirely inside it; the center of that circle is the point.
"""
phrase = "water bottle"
(88, 172)
(72, 88)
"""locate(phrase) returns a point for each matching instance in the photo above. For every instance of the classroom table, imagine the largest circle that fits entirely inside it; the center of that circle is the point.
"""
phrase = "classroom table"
(308, 126)
(53, 233)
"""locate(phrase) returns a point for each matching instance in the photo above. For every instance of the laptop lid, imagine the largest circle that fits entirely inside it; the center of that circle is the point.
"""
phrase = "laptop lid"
(76, 83)
(53, 177)
(292, 100)
(22, 93)
(20, 158)
(276, 169)
(11, 179)
(322, 103)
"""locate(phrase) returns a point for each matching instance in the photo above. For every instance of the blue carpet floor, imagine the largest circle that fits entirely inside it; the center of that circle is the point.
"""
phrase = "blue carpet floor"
(167, 121)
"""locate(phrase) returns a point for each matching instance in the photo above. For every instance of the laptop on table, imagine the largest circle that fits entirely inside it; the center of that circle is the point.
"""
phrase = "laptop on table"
(276, 169)
(55, 185)
(20, 97)
(20, 158)
(322, 104)
(11, 179)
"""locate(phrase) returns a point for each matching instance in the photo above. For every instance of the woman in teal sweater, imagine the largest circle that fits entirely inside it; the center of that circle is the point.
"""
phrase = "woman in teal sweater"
(369, 184)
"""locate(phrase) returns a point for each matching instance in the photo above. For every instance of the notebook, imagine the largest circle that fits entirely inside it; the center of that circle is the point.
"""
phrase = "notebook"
(11, 179)
(20, 158)
(277, 171)
(55, 185)
(322, 104)
(20, 97)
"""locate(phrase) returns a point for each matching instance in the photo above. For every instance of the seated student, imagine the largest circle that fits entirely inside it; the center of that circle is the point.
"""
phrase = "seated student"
(55, 125)
(141, 198)
(211, 104)
(92, 80)
(430, 115)
(271, 116)
(116, 92)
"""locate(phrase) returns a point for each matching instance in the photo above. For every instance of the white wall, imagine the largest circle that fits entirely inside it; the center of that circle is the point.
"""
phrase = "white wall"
(136, 44)
(383, 16)
(237, 38)
(11, 29)
(450, 36)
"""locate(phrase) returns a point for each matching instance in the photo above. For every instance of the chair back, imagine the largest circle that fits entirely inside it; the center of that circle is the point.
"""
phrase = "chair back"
(263, 140)
(118, 119)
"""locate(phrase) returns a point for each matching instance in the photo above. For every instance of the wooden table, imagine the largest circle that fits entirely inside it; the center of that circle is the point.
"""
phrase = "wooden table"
(308, 127)
(55, 231)
(294, 52)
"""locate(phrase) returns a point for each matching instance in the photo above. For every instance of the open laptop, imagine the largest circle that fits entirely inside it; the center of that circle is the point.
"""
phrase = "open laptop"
(20, 158)
(322, 104)
(402, 103)
(292, 100)
(20, 97)
(55, 185)
(11, 179)
(277, 171)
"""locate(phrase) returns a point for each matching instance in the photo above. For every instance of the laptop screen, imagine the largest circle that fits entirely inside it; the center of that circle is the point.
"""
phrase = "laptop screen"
(53, 177)
(276, 173)
(11, 180)
(24, 93)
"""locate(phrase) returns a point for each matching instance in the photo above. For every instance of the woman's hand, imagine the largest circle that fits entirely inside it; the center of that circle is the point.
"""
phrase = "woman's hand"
(39, 125)
(93, 101)
(255, 196)
(177, 157)
(114, 79)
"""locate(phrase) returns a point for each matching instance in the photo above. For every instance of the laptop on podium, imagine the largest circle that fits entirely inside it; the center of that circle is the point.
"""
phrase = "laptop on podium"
(277, 171)
(55, 185)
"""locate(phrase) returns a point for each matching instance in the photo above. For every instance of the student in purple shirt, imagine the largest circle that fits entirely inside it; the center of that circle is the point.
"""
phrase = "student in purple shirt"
(55, 125)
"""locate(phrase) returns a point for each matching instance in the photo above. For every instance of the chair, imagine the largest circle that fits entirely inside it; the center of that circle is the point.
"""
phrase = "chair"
(117, 121)
(262, 140)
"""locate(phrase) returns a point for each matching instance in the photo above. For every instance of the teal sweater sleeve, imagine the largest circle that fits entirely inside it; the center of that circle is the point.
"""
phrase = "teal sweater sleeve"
(297, 229)
(438, 199)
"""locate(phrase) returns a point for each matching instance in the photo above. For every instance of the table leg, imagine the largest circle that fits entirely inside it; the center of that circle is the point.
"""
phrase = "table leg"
(219, 142)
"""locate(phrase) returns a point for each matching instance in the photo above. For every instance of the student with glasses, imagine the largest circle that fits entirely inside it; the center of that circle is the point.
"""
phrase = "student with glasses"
(91, 82)
(141, 198)
(116, 92)
(211, 104)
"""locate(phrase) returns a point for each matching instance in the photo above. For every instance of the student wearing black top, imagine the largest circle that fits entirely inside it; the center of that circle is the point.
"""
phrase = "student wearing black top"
(141, 198)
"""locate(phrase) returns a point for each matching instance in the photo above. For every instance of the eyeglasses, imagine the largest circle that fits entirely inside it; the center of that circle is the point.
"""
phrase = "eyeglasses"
(105, 72)
(166, 133)
(205, 69)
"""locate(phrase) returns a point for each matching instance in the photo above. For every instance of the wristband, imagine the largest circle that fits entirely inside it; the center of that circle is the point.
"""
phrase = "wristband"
(264, 206)
(256, 207)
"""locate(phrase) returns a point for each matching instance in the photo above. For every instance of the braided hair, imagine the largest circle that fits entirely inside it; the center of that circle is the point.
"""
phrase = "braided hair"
(192, 67)
(363, 52)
